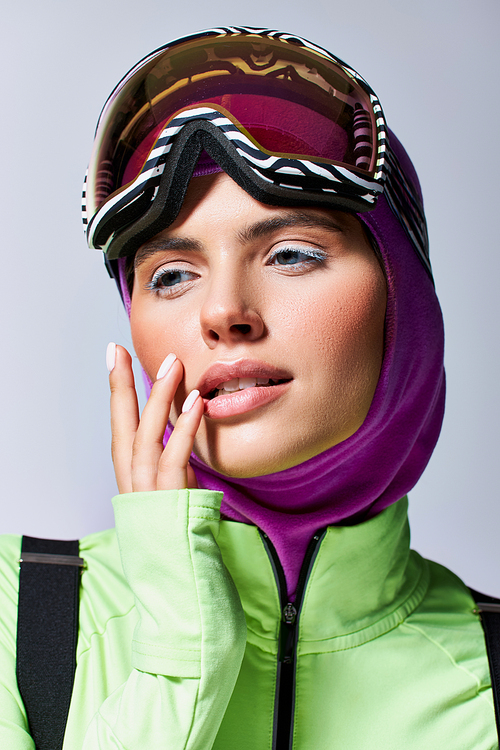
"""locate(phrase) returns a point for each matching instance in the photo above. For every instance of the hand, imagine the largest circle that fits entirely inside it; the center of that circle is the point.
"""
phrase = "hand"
(141, 462)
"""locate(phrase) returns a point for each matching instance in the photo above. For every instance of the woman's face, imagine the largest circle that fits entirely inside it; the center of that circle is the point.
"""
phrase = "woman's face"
(286, 304)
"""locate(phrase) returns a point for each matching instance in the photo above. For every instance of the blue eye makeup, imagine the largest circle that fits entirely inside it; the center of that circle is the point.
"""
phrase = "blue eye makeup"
(168, 279)
(291, 256)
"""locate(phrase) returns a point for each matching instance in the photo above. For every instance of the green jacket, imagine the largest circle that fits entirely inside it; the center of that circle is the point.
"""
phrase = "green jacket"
(388, 652)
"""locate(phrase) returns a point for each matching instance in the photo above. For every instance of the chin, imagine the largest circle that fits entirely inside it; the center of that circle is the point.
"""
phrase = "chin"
(245, 462)
(258, 462)
(258, 458)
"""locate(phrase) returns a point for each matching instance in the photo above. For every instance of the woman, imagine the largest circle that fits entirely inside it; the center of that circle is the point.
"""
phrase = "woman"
(267, 236)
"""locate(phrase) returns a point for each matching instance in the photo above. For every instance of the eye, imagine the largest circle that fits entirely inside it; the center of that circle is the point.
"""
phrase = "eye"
(168, 279)
(290, 256)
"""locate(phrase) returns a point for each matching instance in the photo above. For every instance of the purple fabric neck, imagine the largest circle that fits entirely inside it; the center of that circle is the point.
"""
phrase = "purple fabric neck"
(383, 460)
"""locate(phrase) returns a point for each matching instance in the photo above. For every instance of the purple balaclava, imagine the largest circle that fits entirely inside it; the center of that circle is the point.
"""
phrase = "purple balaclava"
(383, 460)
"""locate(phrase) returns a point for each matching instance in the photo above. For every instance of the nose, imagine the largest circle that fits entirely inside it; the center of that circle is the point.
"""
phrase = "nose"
(230, 313)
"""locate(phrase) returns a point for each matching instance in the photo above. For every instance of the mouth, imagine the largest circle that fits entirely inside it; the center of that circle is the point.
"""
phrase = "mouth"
(241, 384)
(234, 388)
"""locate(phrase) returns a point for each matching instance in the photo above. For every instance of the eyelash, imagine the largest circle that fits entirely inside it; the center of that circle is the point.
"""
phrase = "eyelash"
(155, 286)
(309, 257)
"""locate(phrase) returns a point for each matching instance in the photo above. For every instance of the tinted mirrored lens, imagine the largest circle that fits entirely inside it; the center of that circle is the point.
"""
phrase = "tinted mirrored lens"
(290, 101)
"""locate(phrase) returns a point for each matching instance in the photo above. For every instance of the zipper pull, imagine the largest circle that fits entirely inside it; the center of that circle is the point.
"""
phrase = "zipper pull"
(289, 614)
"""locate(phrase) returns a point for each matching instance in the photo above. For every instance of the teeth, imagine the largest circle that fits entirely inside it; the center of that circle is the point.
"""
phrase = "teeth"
(247, 383)
(239, 384)
(230, 385)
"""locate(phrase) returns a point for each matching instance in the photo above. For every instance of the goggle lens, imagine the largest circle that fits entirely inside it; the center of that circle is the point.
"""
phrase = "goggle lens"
(291, 101)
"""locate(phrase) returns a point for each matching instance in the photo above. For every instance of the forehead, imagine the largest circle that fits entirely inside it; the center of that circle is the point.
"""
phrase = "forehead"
(219, 192)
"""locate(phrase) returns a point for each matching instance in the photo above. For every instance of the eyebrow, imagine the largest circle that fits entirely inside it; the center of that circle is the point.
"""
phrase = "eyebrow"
(284, 221)
(254, 232)
(169, 243)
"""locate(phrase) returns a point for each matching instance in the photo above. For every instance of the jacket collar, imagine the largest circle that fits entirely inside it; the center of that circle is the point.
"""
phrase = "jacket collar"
(364, 581)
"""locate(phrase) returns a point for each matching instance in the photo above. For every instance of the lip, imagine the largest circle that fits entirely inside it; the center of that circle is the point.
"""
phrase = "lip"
(248, 399)
(221, 372)
(242, 401)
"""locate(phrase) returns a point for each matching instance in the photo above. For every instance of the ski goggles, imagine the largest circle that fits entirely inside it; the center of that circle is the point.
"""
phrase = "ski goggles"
(289, 122)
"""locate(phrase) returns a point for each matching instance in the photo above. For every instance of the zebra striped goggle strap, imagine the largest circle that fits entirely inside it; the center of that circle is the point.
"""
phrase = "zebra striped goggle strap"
(408, 208)
(300, 118)
(288, 178)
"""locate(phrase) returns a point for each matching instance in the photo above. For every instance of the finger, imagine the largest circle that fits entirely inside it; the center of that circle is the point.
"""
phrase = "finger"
(124, 414)
(148, 442)
(174, 471)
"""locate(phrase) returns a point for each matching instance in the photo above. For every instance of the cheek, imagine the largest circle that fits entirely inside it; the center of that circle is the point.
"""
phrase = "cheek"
(155, 334)
(342, 318)
(342, 334)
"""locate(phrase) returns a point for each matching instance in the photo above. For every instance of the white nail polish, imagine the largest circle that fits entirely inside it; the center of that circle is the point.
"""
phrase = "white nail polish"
(111, 356)
(188, 403)
(165, 366)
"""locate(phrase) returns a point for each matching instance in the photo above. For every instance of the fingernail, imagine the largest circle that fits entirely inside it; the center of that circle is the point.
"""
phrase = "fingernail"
(188, 403)
(111, 356)
(165, 366)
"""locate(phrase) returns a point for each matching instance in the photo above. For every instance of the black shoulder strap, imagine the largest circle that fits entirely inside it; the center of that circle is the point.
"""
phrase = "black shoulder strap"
(489, 609)
(47, 631)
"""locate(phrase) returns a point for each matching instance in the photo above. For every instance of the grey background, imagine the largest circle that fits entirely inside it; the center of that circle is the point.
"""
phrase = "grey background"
(434, 65)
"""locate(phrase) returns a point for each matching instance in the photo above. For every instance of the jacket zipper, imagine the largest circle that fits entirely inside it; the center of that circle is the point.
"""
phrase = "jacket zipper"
(284, 704)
